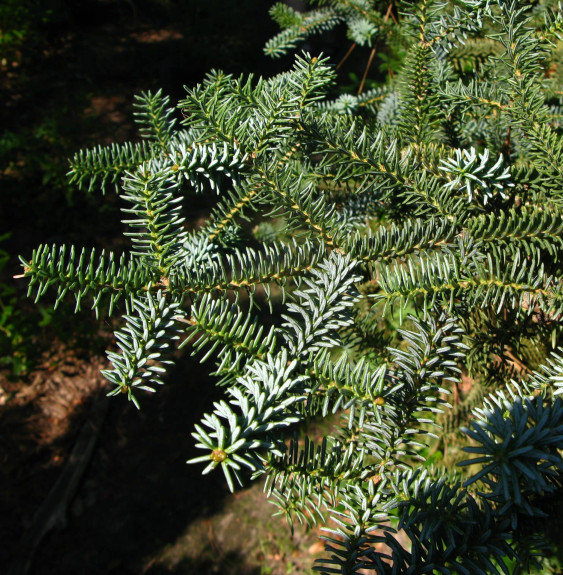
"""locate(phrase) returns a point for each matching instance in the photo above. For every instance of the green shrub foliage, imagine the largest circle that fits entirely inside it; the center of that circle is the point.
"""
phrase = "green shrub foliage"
(413, 233)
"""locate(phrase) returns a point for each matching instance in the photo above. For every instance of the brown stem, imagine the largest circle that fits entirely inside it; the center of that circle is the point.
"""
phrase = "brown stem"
(390, 13)
(350, 50)
(372, 54)
(518, 363)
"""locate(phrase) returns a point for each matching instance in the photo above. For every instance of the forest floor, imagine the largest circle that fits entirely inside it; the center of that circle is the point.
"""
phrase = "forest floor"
(136, 506)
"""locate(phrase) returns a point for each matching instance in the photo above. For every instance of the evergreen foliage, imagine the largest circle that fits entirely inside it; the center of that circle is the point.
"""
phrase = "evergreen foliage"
(414, 234)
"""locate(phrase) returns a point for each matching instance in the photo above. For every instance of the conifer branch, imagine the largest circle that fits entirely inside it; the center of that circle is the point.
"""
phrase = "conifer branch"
(155, 118)
(105, 278)
(437, 195)
(234, 336)
(150, 327)
(99, 166)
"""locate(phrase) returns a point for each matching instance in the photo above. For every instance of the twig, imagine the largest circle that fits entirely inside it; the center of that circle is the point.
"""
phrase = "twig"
(350, 50)
(372, 54)
(390, 13)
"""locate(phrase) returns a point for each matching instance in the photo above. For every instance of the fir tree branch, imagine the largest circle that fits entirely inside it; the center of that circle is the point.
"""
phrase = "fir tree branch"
(145, 339)
(155, 118)
(100, 166)
(105, 278)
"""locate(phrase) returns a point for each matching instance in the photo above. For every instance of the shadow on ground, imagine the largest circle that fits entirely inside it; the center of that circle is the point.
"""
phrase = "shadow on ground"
(138, 494)
(231, 564)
